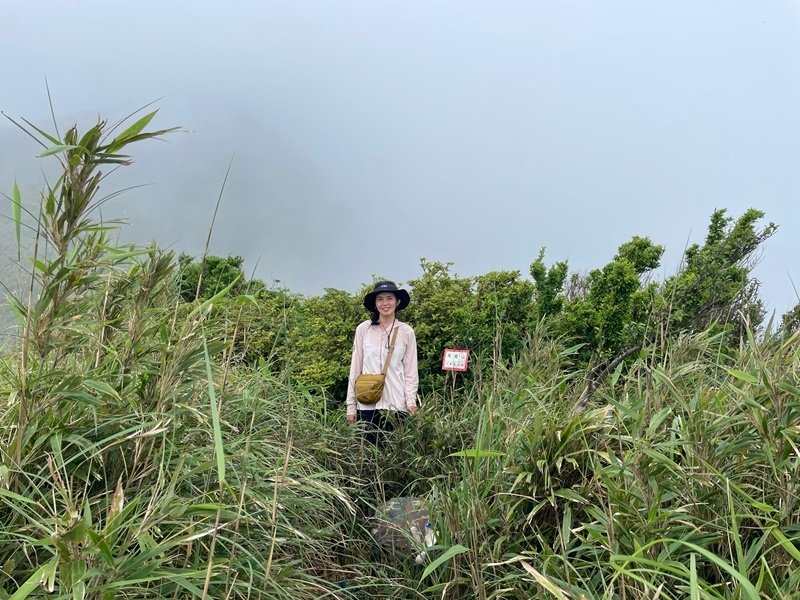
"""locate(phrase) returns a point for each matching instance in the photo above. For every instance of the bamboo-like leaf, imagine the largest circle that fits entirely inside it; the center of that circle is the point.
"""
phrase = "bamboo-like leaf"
(79, 590)
(572, 350)
(450, 553)
(544, 581)
(478, 453)
(734, 532)
(99, 542)
(210, 302)
(103, 388)
(134, 129)
(78, 571)
(16, 212)
(219, 449)
(566, 526)
(125, 254)
(694, 588)
(245, 298)
(187, 585)
(118, 143)
(658, 420)
(747, 589)
(568, 494)
(35, 580)
(617, 372)
(52, 139)
(741, 375)
(56, 149)
(18, 311)
(20, 503)
(82, 397)
(786, 543)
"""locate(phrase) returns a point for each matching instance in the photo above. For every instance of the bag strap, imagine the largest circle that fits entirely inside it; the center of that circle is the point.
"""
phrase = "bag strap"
(389, 356)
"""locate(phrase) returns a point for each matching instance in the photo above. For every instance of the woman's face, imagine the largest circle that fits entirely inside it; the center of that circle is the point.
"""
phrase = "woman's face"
(386, 303)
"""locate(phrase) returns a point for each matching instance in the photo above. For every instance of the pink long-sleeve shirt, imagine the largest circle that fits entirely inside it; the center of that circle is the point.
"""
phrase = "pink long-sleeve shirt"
(402, 375)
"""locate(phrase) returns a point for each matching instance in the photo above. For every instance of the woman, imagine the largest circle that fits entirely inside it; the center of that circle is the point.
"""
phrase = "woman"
(371, 346)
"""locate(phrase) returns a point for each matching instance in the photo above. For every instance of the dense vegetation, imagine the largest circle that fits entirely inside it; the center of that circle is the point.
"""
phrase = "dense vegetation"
(172, 430)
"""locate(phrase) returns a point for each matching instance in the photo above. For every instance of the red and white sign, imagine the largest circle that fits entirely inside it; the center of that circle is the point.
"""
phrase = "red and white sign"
(455, 359)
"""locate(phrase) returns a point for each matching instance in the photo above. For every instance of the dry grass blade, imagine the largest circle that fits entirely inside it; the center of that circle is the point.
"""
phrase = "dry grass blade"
(544, 582)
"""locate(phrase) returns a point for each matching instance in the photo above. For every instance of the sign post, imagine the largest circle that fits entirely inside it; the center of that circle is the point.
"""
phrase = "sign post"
(455, 359)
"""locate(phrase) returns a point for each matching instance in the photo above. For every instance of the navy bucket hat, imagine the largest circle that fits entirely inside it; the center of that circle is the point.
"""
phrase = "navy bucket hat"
(383, 287)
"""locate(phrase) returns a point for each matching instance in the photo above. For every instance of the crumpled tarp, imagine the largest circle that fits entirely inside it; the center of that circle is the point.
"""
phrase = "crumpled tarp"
(403, 523)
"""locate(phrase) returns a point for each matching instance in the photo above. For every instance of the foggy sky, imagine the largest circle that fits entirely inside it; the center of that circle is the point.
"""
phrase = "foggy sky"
(366, 135)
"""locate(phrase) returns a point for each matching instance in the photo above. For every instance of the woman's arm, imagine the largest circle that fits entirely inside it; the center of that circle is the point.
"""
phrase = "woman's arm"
(356, 362)
(411, 372)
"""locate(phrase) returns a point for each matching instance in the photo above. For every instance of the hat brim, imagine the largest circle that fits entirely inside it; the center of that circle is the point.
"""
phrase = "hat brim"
(402, 295)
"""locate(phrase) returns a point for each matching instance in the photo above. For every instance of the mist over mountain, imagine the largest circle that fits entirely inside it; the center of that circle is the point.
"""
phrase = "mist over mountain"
(276, 218)
(364, 139)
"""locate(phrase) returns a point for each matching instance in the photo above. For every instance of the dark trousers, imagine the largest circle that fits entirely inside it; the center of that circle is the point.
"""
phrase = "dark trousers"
(377, 423)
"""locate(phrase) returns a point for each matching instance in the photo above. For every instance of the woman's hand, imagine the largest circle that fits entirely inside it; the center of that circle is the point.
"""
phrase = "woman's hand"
(351, 418)
(412, 410)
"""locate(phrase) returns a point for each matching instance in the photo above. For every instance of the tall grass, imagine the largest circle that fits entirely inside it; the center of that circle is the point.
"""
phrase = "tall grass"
(113, 460)
(140, 460)
(681, 481)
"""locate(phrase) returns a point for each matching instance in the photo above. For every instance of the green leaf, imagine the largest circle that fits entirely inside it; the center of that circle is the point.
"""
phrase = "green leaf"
(572, 349)
(694, 588)
(102, 387)
(16, 211)
(568, 494)
(478, 453)
(52, 139)
(741, 375)
(210, 302)
(746, 588)
(450, 553)
(131, 131)
(50, 203)
(102, 546)
(35, 580)
(658, 420)
(617, 373)
(123, 255)
(566, 526)
(17, 497)
(18, 311)
(83, 397)
(56, 149)
(204, 508)
(79, 590)
(786, 543)
(244, 298)
(78, 570)
(219, 449)
(544, 581)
